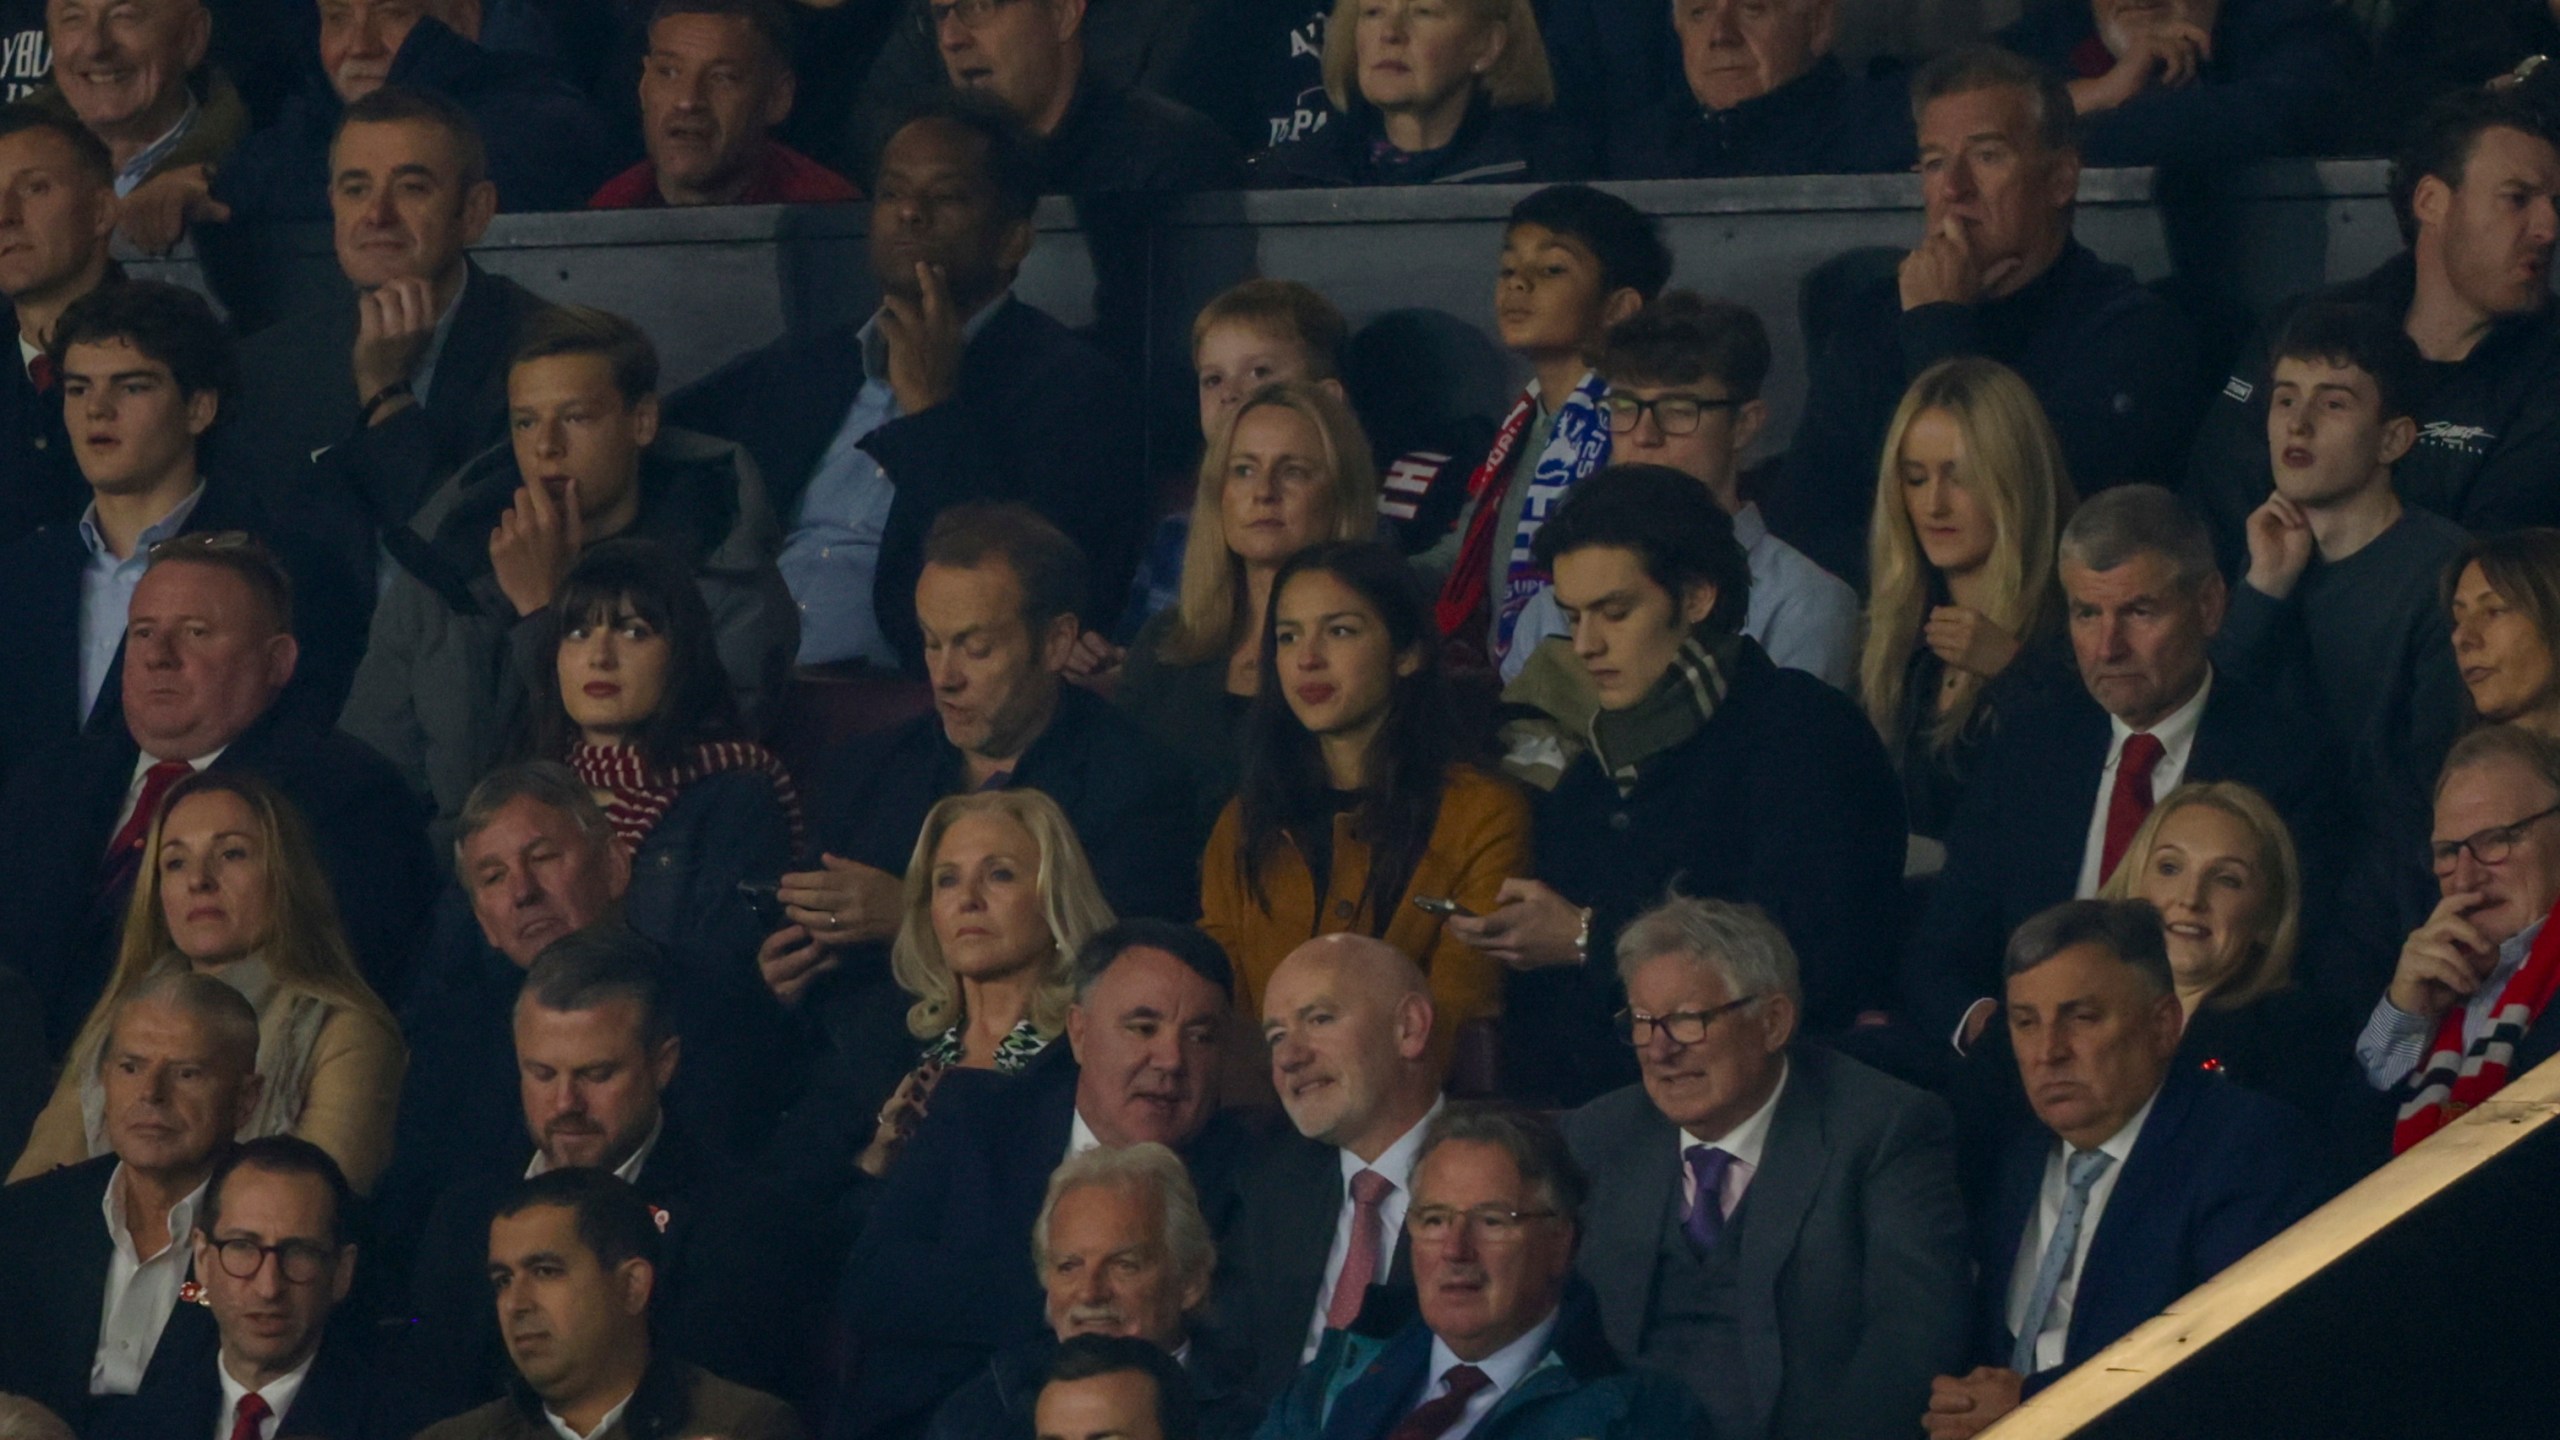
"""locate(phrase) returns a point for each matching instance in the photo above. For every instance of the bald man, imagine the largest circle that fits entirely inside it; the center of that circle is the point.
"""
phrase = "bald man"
(1348, 1019)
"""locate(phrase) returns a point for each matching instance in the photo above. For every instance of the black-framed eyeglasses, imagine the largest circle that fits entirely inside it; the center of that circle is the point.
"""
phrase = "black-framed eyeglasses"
(302, 1261)
(2490, 847)
(1491, 1224)
(971, 13)
(1676, 414)
(1685, 1027)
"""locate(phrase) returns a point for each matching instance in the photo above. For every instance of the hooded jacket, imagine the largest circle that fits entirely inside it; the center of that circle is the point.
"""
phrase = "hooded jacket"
(450, 670)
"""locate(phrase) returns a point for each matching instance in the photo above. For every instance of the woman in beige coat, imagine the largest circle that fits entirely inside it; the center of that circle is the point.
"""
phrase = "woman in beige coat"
(232, 889)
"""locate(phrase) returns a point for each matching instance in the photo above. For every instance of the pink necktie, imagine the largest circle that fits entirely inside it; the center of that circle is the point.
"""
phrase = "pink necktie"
(1369, 1190)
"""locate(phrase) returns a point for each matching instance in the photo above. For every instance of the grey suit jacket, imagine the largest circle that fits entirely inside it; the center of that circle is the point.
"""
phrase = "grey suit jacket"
(1853, 1284)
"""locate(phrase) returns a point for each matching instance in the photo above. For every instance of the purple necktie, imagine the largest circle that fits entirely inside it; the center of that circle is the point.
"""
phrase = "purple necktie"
(1705, 1221)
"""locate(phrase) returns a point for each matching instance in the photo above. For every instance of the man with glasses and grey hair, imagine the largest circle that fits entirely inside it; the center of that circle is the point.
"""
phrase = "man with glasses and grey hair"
(1121, 1249)
(1783, 1230)
(2472, 983)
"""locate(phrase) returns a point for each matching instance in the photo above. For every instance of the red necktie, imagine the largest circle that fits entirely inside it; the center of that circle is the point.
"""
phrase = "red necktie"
(40, 373)
(1369, 1189)
(1432, 1421)
(137, 826)
(2131, 802)
(251, 1414)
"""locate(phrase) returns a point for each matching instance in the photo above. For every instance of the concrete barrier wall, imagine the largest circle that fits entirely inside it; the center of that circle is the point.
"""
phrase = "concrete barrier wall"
(709, 284)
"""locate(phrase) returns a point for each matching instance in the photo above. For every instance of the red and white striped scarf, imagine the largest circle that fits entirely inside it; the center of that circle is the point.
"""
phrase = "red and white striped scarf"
(640, 795)
(2455, 1077)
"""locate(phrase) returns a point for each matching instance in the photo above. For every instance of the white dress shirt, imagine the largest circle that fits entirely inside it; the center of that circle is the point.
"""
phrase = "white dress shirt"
(568, 1432)
(1743, 1142)
(2395, 1042)
(1080, 1137)
(628, 1172)
(141, 1291)
(2022, 1275)
(142, 764)
(1396, 1164)
(2176, 733)
(278, 1393)
(1505, 1367)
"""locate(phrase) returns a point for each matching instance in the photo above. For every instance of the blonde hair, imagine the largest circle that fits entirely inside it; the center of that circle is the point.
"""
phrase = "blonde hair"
(2014, 466)
(1070, 901)
(2268, 965)
(1208, 617)
(305, 947)
(1519, 76)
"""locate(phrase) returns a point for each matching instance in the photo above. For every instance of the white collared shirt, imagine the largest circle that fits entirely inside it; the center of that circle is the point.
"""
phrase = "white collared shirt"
(1505, 1367)
(2395, 1042)
(567, 1432)
(28, 350)
(278, 1393)
(628, 1172)
(141, 1291)
(1396, 1164)
(2176, 733)
(142, 764)
(1744, 1142)
(1080, 1137)
(2051, 1339)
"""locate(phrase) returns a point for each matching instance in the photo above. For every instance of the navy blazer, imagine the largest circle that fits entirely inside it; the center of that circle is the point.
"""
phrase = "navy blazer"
(54, 1254)
(2015, 844)
(2217, 1171)
(1272, 1262)
(368, 830)
(1039, 416)
(342, 1396)
(40, 647)
(40, 481)
(941, 1277)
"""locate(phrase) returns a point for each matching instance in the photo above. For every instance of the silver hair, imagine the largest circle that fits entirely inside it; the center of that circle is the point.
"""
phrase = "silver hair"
(24, 1419)
(1740, 944)
(1150, 1166)
(2117, 524)
(225, 1013)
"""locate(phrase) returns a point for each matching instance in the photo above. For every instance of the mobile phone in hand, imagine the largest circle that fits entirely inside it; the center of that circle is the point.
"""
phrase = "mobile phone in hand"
(1441, 905)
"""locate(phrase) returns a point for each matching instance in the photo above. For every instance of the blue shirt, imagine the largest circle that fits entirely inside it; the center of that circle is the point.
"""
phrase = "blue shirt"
(139, 168)
(833, 551)
(106, 593)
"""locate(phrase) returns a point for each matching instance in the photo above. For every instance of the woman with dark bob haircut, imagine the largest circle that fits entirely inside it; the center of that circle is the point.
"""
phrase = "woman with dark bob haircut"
(1355, 801)
(633, 698)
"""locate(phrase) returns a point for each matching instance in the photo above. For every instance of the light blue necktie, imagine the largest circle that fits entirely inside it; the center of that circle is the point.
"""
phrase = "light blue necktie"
(2079, 1173)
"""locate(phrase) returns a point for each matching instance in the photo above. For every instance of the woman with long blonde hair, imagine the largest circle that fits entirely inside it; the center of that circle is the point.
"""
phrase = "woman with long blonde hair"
(1970, 500)
(233, 889)
(1289, 469)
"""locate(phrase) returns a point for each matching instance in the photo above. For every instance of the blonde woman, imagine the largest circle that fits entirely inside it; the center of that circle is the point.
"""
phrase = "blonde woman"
(2218, 864)
(1432, 92)
(1289, 469)
(1970, 500)
(234, 891)
(999, 897)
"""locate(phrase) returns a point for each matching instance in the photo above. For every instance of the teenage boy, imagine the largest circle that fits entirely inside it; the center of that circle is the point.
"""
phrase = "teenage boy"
(2340, 604)
(144, 370)
(1684, 380)
(1574, 262)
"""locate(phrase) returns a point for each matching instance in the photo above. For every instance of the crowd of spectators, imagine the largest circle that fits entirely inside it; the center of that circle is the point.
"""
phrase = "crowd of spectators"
(543, 903)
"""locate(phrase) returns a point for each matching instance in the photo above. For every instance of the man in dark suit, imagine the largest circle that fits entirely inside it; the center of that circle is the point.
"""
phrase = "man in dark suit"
(1122, 1250)
(350, 413)
(596, 1050)
(89, 1300)
(2062, 787)
(574, 1257)
(1320, 1216)
(954, 391)
(998, 595)
(1782, 1228)
(55, 223)
(146, 369)
(1506, 1344)
(2136, 1183)
(935, 1284)
(209, 650)
(260, 1359)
